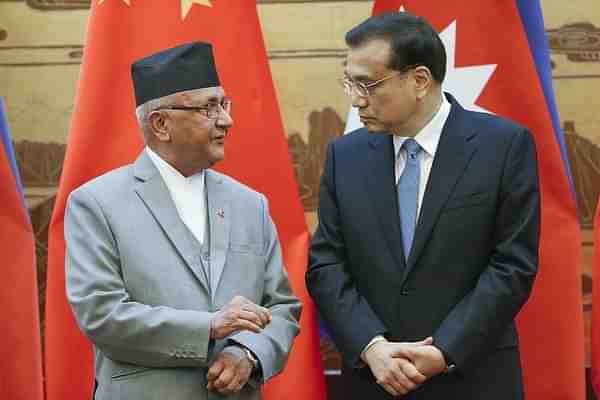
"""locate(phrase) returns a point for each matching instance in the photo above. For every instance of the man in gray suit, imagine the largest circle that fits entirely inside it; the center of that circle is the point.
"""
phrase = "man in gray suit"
(174, 271)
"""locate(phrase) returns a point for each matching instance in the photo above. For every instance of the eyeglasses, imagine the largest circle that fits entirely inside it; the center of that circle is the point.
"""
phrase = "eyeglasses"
(361, 89)
(210, 110)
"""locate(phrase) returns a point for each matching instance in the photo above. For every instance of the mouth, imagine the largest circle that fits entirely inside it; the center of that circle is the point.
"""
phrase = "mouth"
(220, 138)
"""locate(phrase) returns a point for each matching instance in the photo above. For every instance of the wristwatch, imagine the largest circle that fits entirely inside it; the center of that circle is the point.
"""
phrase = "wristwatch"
(450, 366)
(251, 358)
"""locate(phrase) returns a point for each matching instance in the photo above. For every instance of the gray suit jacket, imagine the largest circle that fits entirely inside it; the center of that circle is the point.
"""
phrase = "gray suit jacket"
(135, 283)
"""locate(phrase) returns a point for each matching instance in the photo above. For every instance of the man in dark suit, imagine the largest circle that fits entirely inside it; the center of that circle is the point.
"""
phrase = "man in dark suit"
(427, 244)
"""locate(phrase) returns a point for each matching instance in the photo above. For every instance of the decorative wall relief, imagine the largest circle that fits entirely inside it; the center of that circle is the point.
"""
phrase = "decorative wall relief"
(584, 156)
(308, 158)
(580, 42)
(40, 165)
(59, 4)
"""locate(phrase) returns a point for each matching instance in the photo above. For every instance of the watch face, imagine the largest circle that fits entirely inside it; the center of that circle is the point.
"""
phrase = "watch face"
(251, 357)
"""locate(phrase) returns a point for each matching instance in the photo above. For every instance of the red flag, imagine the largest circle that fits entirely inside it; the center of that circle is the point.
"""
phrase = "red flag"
(495, 63)
(596, 306)
(20, 344)
(104, 135)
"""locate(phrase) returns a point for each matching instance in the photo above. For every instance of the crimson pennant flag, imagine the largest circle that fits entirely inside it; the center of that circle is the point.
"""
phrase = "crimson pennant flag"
(596, 305)
(20, 343)
(498, 62)
(104, 135)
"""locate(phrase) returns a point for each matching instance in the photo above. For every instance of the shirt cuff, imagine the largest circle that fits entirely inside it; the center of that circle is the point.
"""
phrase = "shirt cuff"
(376, 339)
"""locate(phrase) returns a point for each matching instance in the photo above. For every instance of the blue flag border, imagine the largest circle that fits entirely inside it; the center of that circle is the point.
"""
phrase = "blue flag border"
(533, 24)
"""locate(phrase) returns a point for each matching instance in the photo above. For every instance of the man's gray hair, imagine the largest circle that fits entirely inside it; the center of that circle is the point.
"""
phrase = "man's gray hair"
(143, 111)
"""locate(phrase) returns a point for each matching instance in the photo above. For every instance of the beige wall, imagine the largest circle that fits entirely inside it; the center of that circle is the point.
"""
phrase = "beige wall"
(306, 56)
(37, 73)
(577, 92)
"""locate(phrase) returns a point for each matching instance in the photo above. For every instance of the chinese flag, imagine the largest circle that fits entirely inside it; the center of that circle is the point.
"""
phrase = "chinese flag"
(104, 135)
(20, 344)
(498, 60)
(596, 306)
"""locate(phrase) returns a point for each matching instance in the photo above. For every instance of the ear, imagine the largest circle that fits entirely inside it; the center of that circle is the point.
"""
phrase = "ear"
(159, 124)
(423, 81)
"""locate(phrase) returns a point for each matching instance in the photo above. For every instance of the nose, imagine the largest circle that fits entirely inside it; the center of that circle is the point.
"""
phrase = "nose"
(358, 101)
(224, 119)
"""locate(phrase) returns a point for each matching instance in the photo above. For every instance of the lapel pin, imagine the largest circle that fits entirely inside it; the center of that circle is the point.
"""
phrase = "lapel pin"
(221, 213)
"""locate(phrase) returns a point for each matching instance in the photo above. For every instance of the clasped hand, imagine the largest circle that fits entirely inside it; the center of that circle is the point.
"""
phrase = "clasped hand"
(237, 315)
(230, 371)
(401, 367)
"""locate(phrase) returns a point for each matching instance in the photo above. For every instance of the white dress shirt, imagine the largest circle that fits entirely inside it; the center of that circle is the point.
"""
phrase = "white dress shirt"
(428, 138)
(187, 193)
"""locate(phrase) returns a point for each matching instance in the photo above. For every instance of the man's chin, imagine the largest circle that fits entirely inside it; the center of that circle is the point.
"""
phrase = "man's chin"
(374, 127)
(217, 156)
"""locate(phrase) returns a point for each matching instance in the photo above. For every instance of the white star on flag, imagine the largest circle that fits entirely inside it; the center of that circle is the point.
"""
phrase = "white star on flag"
(186, 6)
(464, 83)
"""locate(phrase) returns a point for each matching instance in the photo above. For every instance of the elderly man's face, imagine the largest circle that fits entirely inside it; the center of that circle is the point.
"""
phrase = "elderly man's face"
(197, 140)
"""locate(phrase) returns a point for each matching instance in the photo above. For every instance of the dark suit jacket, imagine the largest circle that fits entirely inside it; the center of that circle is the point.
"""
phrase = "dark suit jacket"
(471, 268)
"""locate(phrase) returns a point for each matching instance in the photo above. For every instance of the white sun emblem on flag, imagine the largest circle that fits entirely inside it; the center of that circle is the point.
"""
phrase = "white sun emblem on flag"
(464, 83)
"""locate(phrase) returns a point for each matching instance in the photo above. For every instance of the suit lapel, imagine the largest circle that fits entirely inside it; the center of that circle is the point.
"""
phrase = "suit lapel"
(219, 220)
(381, 188)
(153, 191)
(455, 149)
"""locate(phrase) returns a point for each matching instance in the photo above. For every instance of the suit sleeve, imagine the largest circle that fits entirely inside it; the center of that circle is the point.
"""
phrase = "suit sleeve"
(347, 314)
(473, 326)
(272, 345)
(124, 330)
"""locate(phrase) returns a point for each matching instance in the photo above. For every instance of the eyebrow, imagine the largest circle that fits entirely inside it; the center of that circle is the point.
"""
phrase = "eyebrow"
(359, 77)
(355, 77)
(207, 100)
(215, 99)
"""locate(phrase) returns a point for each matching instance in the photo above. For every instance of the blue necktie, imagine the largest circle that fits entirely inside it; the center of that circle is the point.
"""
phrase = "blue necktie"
(408, 194)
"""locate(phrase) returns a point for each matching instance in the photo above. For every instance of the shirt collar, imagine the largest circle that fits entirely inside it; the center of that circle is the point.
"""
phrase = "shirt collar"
(170, 174)
(429, 136)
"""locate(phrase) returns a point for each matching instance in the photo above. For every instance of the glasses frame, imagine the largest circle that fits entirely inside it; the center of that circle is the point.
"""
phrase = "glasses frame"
(362, 89)
(210, 110)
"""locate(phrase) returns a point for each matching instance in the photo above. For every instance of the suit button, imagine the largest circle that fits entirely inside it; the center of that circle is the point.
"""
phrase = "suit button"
(404, 292)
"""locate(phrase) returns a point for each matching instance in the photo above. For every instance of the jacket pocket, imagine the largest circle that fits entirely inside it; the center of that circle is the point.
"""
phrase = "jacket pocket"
(468, 200)
(131, 372)
(250, 248)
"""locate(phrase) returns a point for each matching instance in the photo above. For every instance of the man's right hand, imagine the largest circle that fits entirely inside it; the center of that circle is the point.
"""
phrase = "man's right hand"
(237, 315)
(396, 374)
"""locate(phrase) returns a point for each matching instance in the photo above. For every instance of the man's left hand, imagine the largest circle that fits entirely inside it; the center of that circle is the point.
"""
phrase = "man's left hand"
(230, 371)
(428, 360)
